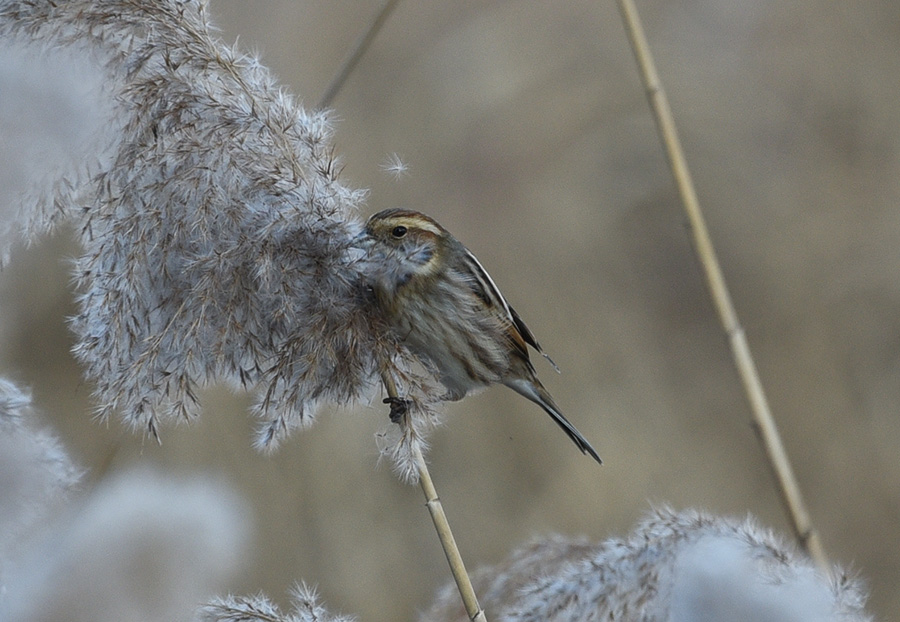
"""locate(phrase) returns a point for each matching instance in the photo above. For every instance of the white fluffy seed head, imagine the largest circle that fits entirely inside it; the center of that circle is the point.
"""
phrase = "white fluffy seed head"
(218, 241)
(684, 566)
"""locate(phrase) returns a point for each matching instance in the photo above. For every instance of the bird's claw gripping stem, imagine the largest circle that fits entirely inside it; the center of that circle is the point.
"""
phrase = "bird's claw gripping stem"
(399, 408)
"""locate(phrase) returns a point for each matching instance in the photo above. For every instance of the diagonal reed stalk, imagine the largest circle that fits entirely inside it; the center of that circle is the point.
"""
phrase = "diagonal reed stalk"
(763, 421)
(362, 44)
(432, 501)
(441, 525)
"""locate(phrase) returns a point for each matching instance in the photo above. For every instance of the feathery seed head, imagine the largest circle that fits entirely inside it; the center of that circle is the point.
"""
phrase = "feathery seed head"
(218, 243)
(674, 566)
(395, 166)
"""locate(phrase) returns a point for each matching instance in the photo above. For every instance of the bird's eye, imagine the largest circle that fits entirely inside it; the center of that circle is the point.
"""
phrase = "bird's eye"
(398, 231)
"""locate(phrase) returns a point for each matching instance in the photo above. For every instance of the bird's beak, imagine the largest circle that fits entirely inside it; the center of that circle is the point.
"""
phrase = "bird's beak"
(361, 239)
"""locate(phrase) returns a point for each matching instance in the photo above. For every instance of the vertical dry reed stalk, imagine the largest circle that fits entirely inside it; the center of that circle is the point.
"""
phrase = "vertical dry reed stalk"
(763, 419)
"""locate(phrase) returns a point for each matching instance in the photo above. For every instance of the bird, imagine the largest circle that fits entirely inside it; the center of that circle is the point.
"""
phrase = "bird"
(441, 303)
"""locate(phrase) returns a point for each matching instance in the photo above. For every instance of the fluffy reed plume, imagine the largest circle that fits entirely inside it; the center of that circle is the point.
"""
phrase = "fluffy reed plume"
(136, 548)
(217, 238)
(36, 474)
(306, 608)
(54, 117)
(675, 567)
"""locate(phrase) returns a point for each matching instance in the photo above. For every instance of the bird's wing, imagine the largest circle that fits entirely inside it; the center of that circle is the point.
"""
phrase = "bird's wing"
(484, 287)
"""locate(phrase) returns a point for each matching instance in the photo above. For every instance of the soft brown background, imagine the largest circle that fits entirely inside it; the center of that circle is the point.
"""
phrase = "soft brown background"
(528, 135)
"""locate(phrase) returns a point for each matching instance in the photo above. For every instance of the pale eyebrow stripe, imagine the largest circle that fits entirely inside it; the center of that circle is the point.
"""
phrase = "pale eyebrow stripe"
(417, 223)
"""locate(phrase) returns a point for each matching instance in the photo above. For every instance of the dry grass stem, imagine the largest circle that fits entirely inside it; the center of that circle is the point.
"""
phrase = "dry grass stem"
(763, 420)
(441, 524)
(362, 44)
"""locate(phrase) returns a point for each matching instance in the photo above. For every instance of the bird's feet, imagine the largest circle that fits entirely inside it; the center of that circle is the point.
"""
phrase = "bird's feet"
(399, 408)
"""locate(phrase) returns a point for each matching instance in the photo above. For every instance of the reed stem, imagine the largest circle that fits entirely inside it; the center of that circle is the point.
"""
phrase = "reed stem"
(763, 420)
(441, 525)
(362, 44)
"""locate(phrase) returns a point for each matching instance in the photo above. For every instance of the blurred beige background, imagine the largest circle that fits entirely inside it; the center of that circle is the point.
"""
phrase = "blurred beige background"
(528, 135)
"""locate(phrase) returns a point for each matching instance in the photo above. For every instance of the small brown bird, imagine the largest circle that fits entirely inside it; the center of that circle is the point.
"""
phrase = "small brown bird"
(445, 307)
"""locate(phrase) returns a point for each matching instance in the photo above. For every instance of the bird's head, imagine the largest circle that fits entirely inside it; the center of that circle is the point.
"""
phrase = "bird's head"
(404, 245)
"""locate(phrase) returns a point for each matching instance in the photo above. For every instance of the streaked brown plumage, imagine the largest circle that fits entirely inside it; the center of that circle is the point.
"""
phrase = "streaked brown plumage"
(445, 307)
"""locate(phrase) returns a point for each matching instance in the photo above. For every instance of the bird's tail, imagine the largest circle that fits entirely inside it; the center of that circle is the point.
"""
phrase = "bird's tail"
(536, 392)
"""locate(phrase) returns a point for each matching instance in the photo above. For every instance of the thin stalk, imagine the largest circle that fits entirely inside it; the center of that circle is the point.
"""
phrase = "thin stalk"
(441, 525)
(362, 44)
(432, 501)
(763, 421)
